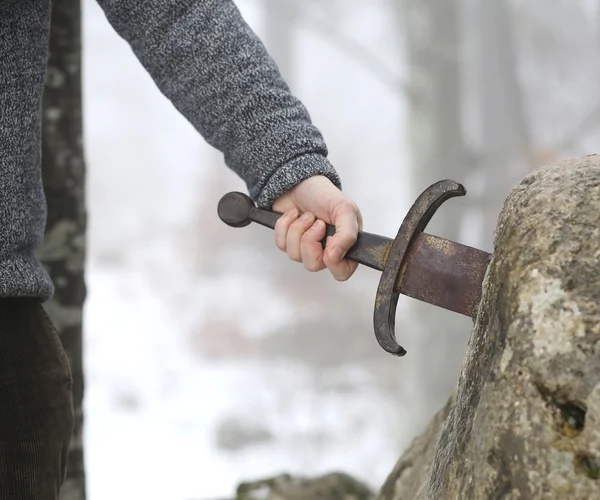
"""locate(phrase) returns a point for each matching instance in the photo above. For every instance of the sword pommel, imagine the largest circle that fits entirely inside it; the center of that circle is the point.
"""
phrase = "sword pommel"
(235, 208)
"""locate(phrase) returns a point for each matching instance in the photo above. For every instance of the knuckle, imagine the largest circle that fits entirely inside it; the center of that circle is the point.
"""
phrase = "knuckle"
(295, 258)
(347, 205)
(311, 266)
(280, 234)
(339, 271)
(282, 221)
(286, 219)
(311, 261)
(315, 264)
(351, 206)
(294, 254)
(280, 243)
(280, 239)
(311, 257)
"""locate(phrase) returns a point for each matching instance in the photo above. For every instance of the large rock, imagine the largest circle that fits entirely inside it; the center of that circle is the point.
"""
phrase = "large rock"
(334, 486)
(526, 421)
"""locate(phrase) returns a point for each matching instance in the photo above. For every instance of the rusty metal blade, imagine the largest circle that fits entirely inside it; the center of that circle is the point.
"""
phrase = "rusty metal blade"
(444, 273)
(436, 270)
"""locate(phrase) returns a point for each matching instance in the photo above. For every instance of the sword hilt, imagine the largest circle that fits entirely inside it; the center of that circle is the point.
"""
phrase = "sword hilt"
(378, 252)
(238, 210)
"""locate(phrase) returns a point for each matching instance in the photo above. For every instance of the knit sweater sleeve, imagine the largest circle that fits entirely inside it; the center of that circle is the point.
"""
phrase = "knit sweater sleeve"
(207, 61)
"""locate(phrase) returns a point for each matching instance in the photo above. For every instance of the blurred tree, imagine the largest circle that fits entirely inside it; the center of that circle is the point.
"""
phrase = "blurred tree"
(431, 39)
(555, 46)
(346, 43)
(537, 95)
(505, 135)
(63, 251)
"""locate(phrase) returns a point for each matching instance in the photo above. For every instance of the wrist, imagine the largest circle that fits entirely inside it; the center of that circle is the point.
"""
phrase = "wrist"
(294, 172)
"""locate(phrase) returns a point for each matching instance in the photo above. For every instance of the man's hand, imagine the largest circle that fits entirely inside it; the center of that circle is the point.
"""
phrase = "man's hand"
(301, 228)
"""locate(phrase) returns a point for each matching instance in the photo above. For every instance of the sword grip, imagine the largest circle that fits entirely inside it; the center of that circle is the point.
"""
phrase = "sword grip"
(238, 210)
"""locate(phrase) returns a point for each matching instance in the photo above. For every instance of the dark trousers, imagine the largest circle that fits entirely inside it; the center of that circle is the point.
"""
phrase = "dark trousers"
(36, 403)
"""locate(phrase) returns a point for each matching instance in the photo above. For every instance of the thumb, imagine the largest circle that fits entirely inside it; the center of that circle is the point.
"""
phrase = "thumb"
(347, 221)
(283, 204)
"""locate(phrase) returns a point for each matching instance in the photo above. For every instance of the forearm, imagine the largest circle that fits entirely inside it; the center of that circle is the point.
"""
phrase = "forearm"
(213, 68)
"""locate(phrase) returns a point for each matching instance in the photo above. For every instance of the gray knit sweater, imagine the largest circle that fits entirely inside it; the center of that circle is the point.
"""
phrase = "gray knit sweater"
(203, 57)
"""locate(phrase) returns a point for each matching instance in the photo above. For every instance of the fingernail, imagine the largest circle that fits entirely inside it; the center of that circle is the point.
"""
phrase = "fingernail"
(293, 213)
(306, 216)
(318, 224)
(335, 254)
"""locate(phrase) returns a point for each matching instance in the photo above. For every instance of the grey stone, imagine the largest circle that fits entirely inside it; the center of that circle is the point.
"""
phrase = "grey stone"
(526, 421)
(334, 486)
(235, 434)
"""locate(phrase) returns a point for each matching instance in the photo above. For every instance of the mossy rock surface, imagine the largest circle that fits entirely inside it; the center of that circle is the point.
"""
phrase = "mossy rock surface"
(334, 486)
(524, 422)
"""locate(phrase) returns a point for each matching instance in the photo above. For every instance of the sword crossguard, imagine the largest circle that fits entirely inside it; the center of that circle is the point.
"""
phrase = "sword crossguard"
(417, 218)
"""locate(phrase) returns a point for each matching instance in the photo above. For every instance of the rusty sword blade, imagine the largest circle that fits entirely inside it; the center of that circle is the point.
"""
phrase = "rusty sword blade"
(437, 271)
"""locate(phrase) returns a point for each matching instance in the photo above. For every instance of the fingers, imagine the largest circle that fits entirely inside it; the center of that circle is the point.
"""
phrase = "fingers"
(295, 234)
(282, 227)
(311, 248)
(341, 271)
(300, 238)
(347, 221)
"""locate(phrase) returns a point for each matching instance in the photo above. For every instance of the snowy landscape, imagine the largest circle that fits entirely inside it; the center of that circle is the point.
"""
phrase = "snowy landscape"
(184, 397)
(210, 358)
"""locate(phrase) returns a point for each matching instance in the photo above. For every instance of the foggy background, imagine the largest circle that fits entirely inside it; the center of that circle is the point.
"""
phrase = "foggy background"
(210, 357)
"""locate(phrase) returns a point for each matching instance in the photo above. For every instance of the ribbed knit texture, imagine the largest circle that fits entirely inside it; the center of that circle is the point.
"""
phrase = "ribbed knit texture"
(24, 28)
(204, 58)
(36, 406)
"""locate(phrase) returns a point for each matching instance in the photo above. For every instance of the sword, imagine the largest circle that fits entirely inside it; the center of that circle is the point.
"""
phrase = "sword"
(428, 268)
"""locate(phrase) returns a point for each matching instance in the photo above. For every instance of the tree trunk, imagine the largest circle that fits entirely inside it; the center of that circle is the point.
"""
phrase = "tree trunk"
(525, 419)
(63, 252)
(505, 132)
(432, 39)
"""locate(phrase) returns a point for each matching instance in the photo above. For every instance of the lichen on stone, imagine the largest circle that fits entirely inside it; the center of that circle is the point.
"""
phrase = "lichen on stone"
(526, 420)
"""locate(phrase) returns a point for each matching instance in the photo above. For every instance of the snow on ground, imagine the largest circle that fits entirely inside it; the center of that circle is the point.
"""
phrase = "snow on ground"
(153, 409)
(163, 420)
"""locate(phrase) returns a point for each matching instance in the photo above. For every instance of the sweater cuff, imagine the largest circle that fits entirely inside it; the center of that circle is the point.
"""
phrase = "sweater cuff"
(293, 173)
